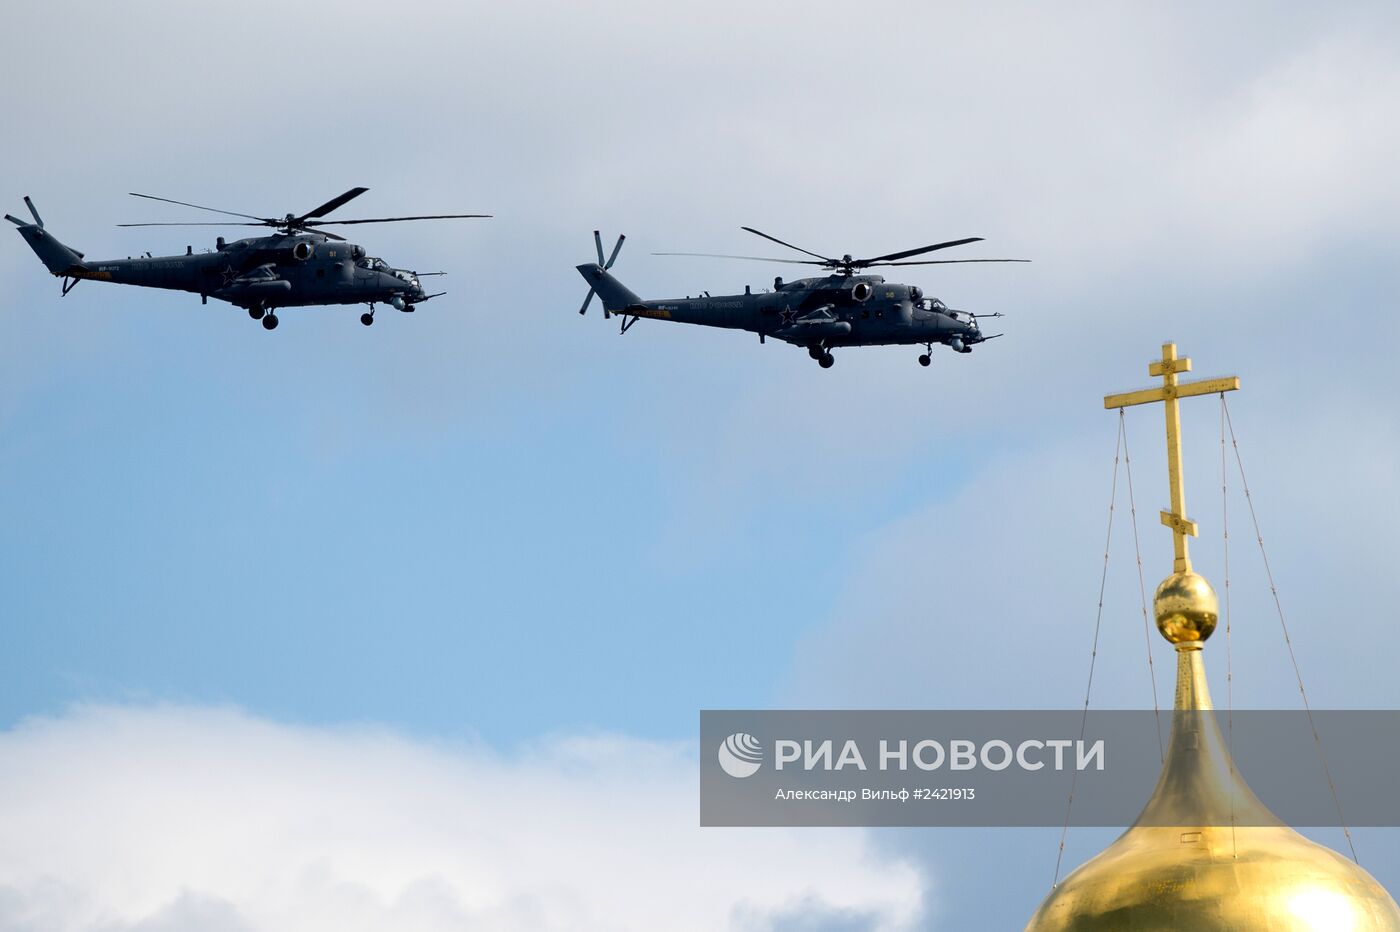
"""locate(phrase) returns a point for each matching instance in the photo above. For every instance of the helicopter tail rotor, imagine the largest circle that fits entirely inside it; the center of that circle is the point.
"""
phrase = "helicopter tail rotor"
(38, 220)
(604, 265)
(57, 258)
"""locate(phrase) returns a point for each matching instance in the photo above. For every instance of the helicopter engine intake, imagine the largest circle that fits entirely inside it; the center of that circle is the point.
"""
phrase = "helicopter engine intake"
(861, 291)
(303, 250)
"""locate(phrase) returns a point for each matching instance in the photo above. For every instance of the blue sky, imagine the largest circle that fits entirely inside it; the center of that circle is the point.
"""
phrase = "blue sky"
(496, 521)
(288, 544)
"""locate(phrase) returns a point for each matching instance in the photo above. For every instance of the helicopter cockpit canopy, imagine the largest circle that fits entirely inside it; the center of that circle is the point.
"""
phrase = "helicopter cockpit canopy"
(374, 264)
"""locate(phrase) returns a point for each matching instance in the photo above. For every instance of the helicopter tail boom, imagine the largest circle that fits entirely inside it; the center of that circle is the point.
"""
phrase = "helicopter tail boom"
(616, 296)
(57, 258)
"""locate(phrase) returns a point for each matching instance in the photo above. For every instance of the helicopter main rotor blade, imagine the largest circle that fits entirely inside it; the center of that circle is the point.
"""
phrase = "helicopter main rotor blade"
(321, 223)
(333, 203)
(716, 255)
(948, 261)
(231, 213)
(212, 223)
(788, 245)
(229, 224)
(916, 252)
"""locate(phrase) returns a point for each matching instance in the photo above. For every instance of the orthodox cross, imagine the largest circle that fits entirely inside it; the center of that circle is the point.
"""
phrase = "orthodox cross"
(1167, 368)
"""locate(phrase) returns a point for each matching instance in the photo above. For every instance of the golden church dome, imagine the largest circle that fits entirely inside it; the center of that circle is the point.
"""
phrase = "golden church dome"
(1205, 853)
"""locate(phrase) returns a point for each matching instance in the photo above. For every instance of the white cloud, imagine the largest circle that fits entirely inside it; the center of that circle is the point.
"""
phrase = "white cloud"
(118, 818)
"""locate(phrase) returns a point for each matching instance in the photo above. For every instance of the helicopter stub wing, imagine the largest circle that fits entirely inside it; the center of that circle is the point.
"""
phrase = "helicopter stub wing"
(260, 283)
(813, 326)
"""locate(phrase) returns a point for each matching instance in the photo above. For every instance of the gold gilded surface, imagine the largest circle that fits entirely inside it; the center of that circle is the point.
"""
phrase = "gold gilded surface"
(1144, 396)
(1185, 865)
(1205, 854)
(1167, 368)
(1185, 607)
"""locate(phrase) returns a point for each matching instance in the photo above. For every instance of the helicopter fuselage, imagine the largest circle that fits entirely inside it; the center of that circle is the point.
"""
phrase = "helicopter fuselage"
(847, 307)
(265, 272)
(298, 266)
(831, 311)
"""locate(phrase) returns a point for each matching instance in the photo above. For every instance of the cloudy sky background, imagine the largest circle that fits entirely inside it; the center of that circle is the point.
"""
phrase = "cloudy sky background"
(305, 625)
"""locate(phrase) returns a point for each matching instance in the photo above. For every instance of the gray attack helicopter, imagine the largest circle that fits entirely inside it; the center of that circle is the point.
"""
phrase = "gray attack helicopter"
(841, 309)
(298, 265)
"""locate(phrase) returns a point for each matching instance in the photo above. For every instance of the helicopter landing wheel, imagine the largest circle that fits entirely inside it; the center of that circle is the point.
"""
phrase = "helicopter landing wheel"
(826, 361)
(270, 322)
(366, 319)
(815, 352)
(256, 313)
(925, 359)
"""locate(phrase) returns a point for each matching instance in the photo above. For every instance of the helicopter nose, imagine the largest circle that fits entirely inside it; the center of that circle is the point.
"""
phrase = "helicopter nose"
(966, 325)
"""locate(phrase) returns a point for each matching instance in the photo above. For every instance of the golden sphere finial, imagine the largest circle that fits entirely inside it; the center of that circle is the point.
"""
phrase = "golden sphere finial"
(1185, 607)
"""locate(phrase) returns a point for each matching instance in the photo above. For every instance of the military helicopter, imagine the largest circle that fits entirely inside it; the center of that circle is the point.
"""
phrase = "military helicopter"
(298, 265)
(841, 309)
